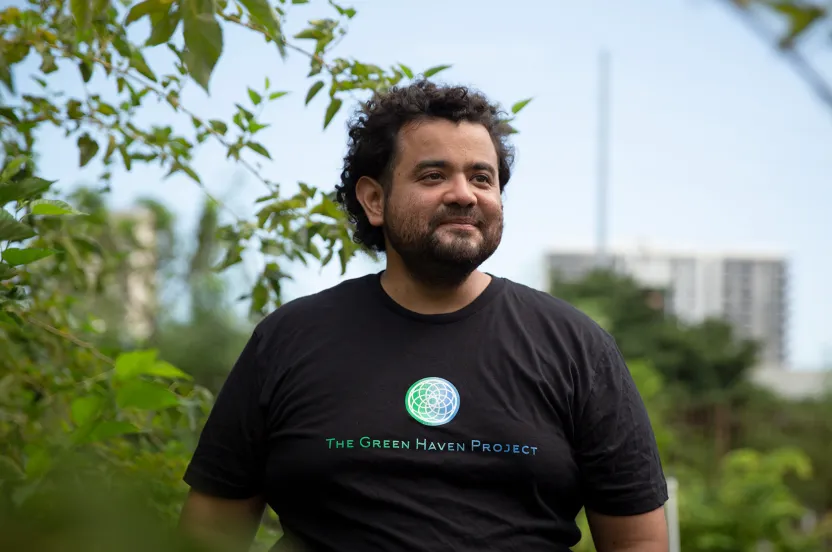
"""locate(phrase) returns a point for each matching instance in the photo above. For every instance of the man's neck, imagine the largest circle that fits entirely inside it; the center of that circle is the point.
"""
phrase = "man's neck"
(425, 299)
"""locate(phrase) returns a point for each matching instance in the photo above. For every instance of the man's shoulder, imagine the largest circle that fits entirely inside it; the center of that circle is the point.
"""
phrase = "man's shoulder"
(319, 306)
(540, 301)
(553, 312)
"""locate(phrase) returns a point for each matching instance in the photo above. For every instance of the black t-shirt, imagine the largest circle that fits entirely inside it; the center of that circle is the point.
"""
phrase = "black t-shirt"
(370, 427)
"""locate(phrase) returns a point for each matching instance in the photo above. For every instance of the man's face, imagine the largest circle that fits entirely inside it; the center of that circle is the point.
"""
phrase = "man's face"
(443, 213)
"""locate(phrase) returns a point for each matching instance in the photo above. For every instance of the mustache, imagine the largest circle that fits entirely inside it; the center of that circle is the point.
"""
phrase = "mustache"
(470, 216)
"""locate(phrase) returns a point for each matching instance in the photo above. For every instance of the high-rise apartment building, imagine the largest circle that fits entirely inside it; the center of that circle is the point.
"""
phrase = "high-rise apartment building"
(748, 290)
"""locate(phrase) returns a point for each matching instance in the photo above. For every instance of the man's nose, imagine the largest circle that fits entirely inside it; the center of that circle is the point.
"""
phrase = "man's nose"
(461, 192)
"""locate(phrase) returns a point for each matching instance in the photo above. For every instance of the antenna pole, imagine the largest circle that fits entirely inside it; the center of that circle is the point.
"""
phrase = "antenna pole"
(603, 157)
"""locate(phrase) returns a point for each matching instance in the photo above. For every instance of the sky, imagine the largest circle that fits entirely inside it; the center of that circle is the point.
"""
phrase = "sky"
(715, 143)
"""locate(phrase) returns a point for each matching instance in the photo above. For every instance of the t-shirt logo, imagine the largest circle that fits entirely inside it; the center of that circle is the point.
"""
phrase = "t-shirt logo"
(432, 401)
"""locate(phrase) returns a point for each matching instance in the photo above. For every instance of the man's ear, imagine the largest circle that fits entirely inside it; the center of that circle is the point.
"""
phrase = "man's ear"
(371, 197)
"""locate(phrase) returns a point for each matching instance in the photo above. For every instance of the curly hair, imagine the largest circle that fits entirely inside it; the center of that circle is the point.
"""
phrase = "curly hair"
(373, 135)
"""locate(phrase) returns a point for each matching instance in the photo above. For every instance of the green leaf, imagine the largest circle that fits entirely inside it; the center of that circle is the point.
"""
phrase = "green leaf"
(125, 156)
(144, 363)
(163, 27)
(515, 109)
(145, 395)
(190, 172)
(87, 148)
(13, 318)
(435, 70)
(232, 257)
(259, 149)
(23, 190)
(313, 90)
(47, 66)
(276, 95)
(106, 109)
(12, 168)
(12, 230)
(262, 14)
(801, 18)
(109, 429)
(6, 272)
(138, 63)
(333, 108)
(203, 40)
(218, 126)
(81, 13)
(311, 34)
(18, 257)
(408, 72)
(254, 97)
(53, 207)
(6, 75)
(144, 8)
(111, 147)
(133, 364)
(84, 409)
(344, 255)
(165, 369)
(255, 127)
(259, 296)
(327, 208)
(86, 69)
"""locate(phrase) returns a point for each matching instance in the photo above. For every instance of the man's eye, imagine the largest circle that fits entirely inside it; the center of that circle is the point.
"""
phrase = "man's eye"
(482, 178)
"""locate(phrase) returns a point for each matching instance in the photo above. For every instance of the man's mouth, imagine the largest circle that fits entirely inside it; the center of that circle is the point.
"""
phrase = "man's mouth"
(460, 222)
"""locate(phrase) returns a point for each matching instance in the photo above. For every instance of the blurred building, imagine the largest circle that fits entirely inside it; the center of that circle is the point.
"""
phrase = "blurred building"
(138, 279)
(794, 384)
(125, 293)
(749, 290)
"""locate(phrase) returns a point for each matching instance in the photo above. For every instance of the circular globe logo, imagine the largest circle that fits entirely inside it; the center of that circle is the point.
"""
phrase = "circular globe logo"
(432, 401)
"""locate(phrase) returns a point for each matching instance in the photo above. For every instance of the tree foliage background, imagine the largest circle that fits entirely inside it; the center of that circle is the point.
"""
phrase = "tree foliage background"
(102, 392)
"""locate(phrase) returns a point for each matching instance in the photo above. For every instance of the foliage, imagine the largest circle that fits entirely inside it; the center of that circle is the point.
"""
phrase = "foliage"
(750, 503)
(705, 358)
(64, 406)
(797, 22)
(98, 38)
(766, 422)
(800, 17)
(206, 343)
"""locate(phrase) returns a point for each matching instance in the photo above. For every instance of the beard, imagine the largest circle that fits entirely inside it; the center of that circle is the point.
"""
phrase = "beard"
(442, 257)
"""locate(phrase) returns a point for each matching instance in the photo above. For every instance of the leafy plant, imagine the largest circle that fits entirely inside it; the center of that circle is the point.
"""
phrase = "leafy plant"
(84, 421)
(750, 504)
(70, 416)
(97, 38)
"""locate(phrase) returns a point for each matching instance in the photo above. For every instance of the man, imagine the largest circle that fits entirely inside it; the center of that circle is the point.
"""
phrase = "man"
(432, 406)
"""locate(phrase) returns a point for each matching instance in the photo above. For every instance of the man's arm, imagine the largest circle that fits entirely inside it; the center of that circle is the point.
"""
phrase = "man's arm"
(624, 487)
(639, 533)
(221, 524)
(223, 509)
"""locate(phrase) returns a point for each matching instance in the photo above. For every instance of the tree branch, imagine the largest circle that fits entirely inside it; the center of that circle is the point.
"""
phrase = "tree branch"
(798, 63)
(283, 41)
(69, 337)
(174, 102)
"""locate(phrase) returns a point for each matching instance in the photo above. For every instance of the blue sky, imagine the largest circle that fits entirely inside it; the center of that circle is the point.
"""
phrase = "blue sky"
(715, 143)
